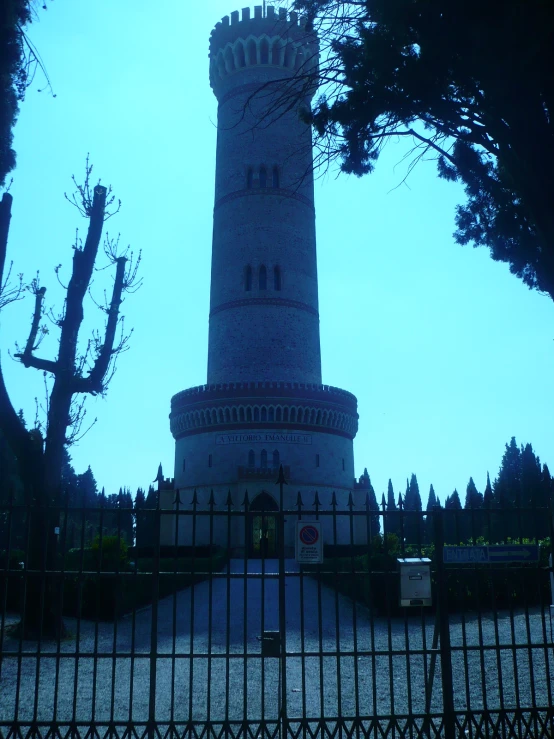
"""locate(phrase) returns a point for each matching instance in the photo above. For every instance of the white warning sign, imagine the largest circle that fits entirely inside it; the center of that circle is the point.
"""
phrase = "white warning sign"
(309, 542)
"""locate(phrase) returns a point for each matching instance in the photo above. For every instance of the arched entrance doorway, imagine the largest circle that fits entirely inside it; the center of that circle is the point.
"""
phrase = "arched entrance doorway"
(264, 532)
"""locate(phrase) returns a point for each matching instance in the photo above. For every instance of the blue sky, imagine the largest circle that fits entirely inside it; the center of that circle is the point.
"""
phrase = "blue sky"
(448, 354)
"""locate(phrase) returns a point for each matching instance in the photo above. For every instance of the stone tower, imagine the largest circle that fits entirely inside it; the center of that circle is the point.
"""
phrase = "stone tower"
(264, 403)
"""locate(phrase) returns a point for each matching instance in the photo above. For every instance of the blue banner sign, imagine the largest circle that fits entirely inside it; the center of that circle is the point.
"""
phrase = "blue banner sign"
(488, 555)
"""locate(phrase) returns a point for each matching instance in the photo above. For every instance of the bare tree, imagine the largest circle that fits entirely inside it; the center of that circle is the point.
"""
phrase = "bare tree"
(74, 374)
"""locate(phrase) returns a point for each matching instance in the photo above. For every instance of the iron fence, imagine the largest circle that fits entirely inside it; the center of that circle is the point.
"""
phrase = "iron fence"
(199, 639)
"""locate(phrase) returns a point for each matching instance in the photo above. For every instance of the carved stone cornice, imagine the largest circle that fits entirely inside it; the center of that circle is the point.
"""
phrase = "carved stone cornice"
(243, 406)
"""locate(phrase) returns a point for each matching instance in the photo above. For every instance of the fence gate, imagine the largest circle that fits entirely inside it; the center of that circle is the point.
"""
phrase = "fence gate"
(204, 640)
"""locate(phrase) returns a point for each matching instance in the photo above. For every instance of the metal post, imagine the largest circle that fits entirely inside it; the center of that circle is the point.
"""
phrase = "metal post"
(283, 731)
(444, 628)
(154, 625)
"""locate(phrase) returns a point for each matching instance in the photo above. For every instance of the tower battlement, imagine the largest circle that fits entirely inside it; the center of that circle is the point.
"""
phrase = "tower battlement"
(276, 39)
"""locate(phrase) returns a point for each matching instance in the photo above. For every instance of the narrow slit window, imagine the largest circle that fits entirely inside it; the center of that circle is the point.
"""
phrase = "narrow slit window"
(249, 178)
(277, 278)
(248, 278)
(263, 177)
(275, 177)
(264, 459)
(276, 459)
(263, 278)
(251, 458)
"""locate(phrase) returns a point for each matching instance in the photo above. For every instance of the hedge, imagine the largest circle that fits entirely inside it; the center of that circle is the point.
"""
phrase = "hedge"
(373, 580)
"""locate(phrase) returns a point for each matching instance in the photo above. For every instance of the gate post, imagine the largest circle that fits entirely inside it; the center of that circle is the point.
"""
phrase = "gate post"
(154, 622)
(283, 732)
(444, 627)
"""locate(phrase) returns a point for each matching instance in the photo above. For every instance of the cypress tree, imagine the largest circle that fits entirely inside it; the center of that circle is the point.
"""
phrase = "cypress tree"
(413, 523)
(507, 486)
(529, 522)
(392, 521)
(374, 523)
(429, 523)
(488, 497)
(452, 519)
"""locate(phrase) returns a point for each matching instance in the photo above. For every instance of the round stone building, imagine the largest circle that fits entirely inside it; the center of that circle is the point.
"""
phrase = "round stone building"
(264, 404)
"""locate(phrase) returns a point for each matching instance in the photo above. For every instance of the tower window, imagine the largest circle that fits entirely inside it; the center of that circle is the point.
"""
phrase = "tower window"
(264, 459)
(276, 458)
(249, 178)
(263, 278)
(277, 278)
(251, 458)
(209, 460)
(263, 177)
(317, 460)
(248, 278)
(275, 177)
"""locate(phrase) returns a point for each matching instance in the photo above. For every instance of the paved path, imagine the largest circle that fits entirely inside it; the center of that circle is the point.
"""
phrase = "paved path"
(195, 624)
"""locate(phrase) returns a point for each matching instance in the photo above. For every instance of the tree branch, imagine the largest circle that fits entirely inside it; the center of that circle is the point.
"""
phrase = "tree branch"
(94, 383)
(26, 356)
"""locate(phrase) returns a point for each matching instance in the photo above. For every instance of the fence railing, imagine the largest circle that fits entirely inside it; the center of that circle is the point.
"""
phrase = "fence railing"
(122, 633)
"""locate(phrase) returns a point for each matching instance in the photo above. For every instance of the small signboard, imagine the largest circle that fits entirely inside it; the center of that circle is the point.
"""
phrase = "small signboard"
(502, 553)
(309, 542)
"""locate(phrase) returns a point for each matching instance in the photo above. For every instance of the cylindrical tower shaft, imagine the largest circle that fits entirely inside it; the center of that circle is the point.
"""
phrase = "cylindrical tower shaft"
(264, 322)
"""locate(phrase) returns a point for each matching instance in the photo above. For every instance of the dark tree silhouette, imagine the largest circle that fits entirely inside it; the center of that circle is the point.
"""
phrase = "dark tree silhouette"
(453, 519)
(18, 64)
(372, 505)
(74, 374)
(467, 83)
(413, 524)
(472, 523)
(432, 501)
(392, 521)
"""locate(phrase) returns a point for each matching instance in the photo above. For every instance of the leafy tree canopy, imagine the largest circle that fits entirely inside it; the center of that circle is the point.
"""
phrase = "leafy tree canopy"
(469, 83)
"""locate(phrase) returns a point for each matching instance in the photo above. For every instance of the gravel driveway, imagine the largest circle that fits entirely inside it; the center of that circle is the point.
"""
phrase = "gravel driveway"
(194, 624)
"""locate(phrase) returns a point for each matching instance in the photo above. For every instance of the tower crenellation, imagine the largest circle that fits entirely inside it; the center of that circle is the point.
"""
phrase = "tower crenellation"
(278, 40)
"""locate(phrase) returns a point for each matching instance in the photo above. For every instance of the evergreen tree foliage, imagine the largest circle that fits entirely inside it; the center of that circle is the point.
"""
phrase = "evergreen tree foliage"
(474, 498)
(453, 526)
(11, 491)
(127, 518)
(429, 522)
(413, 524)
(374, 519)
(145, 517)
(453, 502)
(488, 497)
(547, 487)
(392, 523)
(472, 525)
(507, 486)
(466, 82)
(431, 499)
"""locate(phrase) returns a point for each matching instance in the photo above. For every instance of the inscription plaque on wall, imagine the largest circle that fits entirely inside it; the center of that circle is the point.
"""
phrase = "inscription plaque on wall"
(264, 437)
